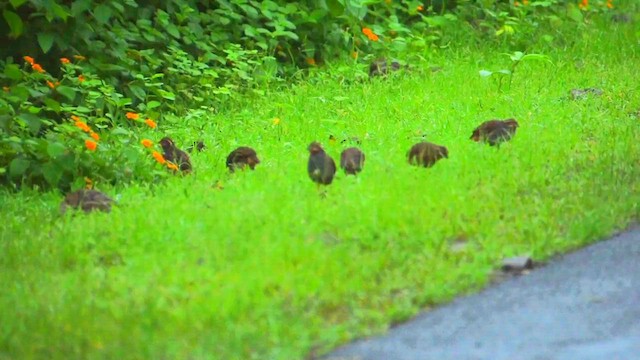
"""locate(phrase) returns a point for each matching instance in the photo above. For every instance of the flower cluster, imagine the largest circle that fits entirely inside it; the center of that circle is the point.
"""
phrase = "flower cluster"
(370, 34)
(34, 65)
(134, 116)
(91, 144)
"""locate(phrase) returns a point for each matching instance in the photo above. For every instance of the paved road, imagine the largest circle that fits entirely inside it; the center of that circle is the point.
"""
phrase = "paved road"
(582, 306)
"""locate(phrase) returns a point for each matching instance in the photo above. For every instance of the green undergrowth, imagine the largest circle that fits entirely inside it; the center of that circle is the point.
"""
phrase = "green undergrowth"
(265, 268)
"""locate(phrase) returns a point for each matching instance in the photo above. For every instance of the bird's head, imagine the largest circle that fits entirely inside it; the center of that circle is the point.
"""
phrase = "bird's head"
(315, 148)
(167, 144)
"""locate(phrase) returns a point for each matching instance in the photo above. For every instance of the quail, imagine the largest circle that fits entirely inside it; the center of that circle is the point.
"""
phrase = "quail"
(352, 160)
(321, 166)
(175, 155)
(198, 145)
(495, 132)
(426, 154)
(382, 67)
(87, 200)
(241, 157)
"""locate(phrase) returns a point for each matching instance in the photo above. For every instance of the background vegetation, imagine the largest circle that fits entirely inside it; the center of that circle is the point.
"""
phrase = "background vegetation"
(74, 69)
(256, 265)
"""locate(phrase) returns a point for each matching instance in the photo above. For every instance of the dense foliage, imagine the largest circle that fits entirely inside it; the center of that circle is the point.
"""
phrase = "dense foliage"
(85, 82)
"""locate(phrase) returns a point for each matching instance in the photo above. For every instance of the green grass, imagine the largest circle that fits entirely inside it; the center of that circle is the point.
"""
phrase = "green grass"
(267, 269)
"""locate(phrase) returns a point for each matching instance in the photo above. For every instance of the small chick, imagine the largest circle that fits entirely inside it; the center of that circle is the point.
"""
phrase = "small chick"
(321, 166)
(87, 200)
(426, 154)
(352, 160)
(495, 131)
(198, 145)
(175, 155)
(241, 157)
(382, 67)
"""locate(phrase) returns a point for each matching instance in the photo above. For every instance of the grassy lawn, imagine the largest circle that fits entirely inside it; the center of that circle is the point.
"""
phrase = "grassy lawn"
(265, 268)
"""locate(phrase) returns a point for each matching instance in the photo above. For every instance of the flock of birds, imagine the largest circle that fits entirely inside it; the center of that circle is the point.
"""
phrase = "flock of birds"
(321, 167)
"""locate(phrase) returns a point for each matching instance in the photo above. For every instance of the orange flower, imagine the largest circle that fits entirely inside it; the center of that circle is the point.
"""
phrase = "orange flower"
(311, 61)
(583, 4)
(81, 78)
(88, 183)
(79, 57)
(525, 2)
(53, 85)
(91, 145)
(132, 116)
(369, 33)
(64, 60)
(420, 8)
(610, 4)
(95, 136)
(6, 88)
(516, 4)
(38, 68)
(75, 118)
(152, 124)
(276, 121)
(83, 126)
(29, 59)
(354, 55)
(172, 166)
(159, 158)
(146, 143)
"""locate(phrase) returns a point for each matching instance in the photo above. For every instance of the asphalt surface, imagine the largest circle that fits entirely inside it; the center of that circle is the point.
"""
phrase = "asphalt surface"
(583, 305)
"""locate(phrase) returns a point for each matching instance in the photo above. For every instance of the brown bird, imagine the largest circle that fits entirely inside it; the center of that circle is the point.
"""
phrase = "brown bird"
(87, 200)
(382, 67)
(426, 154)
(321, 166)
(352, 160)
(198, 145)
(241, 157)
(175, 155)
(495, 131)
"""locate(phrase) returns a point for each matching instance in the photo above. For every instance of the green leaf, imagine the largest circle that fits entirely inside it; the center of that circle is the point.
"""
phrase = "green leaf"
(52, 173)
(46, 41)
(153, 104)
(52, 104)
(173, 31)
(167, 95)
(55, 149)
(335, 7)
(79, 6)
(12, 71)
(68, 92)
(17, 3)
(32, 121)
(18, 167)
(14, 22)
(138, 92)
(102, 13)
(120, 131)
(575, 14)
(60, 12)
